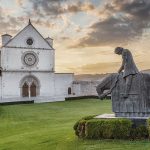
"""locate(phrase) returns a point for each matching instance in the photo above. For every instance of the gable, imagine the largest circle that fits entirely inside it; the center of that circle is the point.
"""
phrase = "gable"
(29, 32)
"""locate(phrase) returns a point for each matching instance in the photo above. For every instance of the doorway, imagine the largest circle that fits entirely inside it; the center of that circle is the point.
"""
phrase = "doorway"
(29, 86)
(25, 91)
(33, 90)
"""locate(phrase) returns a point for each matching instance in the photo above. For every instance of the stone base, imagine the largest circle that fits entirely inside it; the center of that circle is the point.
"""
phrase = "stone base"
(132, 114)
(105, 116)
(137, 121)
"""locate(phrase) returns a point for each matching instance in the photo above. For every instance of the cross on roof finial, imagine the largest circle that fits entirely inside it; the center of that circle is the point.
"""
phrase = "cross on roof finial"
(29, 21)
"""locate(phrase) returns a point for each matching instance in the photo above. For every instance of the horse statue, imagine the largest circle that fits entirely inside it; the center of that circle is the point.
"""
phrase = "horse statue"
(137, 104)
(129, 88)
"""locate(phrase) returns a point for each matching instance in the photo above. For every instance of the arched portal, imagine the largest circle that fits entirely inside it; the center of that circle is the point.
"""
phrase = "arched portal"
(30, 86)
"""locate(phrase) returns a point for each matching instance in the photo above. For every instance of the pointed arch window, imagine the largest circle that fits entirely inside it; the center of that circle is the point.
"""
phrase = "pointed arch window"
(69, 91)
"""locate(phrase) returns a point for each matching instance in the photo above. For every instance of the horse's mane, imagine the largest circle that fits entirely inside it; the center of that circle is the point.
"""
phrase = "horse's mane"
(111, 78)
(115, 80)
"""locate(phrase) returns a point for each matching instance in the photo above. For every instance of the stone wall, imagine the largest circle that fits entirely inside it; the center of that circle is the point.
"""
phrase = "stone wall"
(84, 88)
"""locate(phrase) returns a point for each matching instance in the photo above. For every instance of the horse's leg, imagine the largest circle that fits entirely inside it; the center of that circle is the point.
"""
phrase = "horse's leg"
(99, 90)
(128, 85)
(102, 96)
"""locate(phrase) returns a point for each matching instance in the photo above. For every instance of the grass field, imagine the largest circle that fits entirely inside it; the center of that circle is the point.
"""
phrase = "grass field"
(49, 126)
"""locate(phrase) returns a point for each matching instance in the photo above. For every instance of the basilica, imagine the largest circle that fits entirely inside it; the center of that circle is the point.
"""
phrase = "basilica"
(28, 69)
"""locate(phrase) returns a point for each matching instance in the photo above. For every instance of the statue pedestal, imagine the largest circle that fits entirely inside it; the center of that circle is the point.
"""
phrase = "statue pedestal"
(133, 114)
(137, 121)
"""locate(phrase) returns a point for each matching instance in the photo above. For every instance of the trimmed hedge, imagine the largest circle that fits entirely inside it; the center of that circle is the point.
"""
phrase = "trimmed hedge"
(92, 128)
(148, 127)
(140, 132)
(81, 97)
(17, 102)
(108, 129)
(86, 97)
(79, 126)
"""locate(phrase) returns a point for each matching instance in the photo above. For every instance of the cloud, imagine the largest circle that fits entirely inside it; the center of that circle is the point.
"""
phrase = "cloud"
(44, 23)
(79, 7)
(96, 68)
(58, 7)
(64, 38)
(124, 21)
(9, 24)
(20, 2)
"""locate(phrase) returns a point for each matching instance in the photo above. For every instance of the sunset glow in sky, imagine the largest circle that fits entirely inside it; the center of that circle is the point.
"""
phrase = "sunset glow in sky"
(85, 32)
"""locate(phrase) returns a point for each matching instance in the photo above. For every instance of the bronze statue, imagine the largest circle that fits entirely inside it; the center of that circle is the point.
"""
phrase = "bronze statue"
(130, 89)
(128, 66)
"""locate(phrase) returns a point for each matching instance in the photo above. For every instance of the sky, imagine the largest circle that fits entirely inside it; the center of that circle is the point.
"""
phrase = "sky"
(85, 32)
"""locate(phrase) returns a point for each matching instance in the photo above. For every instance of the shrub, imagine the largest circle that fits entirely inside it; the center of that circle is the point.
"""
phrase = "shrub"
(91, 128)
(148, 126)
(140, 132)
(81, 97)
(117, 128)
(79, 126)
(89, 117)
(108, 128)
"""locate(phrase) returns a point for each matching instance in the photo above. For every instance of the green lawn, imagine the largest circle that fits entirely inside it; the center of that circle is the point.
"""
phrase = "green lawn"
(49, 126)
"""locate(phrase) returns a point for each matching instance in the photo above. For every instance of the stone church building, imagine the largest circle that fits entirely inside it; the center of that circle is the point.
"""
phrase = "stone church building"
(28, 69)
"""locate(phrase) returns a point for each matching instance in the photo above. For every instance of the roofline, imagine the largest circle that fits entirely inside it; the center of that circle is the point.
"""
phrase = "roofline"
(28, 71)
(40, 35)
(27, 48)
(49, 38)
(24, 29)
(6, 34)
(15, 36)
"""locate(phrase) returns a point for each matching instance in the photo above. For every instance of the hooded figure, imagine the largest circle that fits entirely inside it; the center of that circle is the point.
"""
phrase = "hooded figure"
(128, 66)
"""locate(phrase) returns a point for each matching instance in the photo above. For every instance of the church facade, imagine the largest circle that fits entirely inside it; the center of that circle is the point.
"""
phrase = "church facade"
(28, 69)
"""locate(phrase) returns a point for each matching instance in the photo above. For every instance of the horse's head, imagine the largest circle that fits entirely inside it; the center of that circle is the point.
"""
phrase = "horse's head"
(108, 84)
